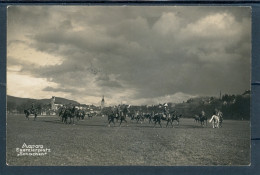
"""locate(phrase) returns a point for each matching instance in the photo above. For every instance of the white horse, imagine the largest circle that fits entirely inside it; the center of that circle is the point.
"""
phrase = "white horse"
(215, 120)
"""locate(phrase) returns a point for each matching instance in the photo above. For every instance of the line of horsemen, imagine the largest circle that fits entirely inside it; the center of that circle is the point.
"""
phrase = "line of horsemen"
(70, 112)
(121, 112)
(157, 117)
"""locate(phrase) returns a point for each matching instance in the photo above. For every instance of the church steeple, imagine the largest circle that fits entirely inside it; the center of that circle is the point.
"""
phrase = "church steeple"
(53, 102)
(102, 102)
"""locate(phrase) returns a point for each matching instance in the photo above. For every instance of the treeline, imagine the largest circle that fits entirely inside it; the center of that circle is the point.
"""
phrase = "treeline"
(14, 107)
(233, 106)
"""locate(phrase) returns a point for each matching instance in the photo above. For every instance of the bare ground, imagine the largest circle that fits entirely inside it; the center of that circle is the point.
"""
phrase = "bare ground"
(91, 142)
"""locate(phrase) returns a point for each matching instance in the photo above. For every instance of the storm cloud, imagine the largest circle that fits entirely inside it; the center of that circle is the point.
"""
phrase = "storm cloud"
(130, 53)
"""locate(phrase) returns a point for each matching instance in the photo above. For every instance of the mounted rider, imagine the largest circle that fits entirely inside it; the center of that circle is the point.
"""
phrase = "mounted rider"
(215, 111)
(166, 110)
(118, 111)
(125, 111)
(220, 115)
(32, 108)
(203, 114)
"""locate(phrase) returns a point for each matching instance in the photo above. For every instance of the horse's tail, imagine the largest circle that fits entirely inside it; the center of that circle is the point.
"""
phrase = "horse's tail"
(211, 119)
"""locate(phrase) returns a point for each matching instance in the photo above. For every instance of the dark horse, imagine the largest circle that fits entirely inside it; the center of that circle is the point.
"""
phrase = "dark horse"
(80, 114)
(172, 118)
(122, 115)
(111, 118)
(139, 117)
(158, 118)
(68, 113)
(90, 115)
(196, 118)
(203, 119)
(28, 112)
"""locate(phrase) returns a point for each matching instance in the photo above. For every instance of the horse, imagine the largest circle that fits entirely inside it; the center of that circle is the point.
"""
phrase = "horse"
(80, 114)
(149, 116)
(196, 118)
(27, 112)
(111, 118)
(177, 118)
(68, 113)
(64, 115)
(139, 117)
(202, 119)
(168, 118)
(90, 115)
(61, 112)
(122, 117)
(158, 117)
(215, 120)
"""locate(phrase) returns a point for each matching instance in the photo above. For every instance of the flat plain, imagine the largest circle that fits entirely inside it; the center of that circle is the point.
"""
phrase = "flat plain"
(90, 142)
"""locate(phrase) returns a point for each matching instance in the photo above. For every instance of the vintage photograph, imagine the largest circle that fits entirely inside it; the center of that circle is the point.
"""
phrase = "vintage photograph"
(128, 85)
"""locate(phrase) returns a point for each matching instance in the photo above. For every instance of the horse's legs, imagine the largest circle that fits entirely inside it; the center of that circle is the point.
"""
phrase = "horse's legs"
(170, 121)
(109, 121)
(217, 124)
(155, 123)
(120, 122)
(113, 121)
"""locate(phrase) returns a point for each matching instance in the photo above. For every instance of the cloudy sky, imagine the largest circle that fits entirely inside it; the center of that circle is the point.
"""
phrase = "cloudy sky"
(129, 54)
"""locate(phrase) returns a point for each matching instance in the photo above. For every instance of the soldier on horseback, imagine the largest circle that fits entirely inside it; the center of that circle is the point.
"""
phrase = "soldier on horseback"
(118, 111)
(166, 111)
(125, 111)
(203, 113)
(220, 115)
(111, 116)
(203, 118)
(29, 111)
(32, 108)
(123, 114)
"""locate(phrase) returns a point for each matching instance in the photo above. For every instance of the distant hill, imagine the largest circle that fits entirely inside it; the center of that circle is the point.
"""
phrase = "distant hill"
(20, 101)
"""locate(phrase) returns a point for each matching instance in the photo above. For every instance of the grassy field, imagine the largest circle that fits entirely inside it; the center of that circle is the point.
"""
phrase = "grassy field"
(92, 142)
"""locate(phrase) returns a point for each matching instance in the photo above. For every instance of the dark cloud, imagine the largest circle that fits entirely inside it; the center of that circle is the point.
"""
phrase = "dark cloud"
(150, 51)
(48, 88)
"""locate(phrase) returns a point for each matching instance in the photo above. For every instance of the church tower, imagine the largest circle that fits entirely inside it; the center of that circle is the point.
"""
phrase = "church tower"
(102, 102)
(53, 102)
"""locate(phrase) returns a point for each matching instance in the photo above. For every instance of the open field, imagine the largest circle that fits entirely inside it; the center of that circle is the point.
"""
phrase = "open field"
(91, 142)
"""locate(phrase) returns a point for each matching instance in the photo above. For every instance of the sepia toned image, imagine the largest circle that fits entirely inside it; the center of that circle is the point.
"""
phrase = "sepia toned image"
(128, 85)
